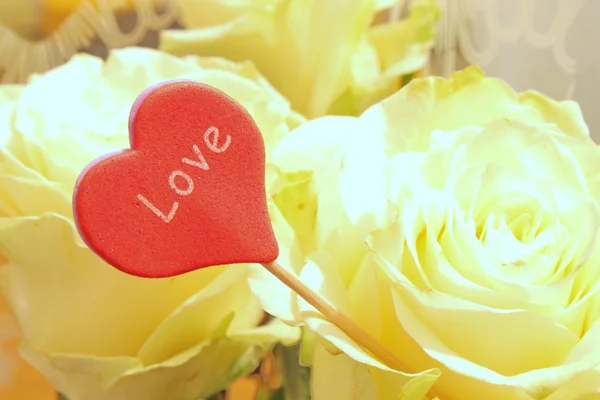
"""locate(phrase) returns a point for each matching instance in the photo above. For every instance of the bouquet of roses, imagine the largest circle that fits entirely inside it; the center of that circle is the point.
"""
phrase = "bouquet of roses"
(454, 220)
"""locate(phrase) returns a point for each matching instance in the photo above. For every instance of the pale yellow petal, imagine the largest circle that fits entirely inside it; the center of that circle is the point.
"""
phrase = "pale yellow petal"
(204, 13)
(321, 276)
(275, 331)
(543, 152)
(385, 4)
(306, 48)
(8, 96)
(21, 197)
(309, 162)
(311, 146)
(392, 385)
(403, 46)
(585, 386)
(340, 377)
(298, 205)
(387, 57)
(365, 285)
(41, 285)
(275, 297)
(308, 346)
(366, 86)
(461, 356)
(565, 114)
(190, 324)
(430, 104)
(362, 182)
(195, 373)
(575, 373)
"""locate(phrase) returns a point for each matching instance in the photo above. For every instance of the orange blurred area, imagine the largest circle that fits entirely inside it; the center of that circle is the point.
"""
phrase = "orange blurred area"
(249, 388)
(272, 378)
(245, 388)
(64, 7)
(55, 11)
(18, 380)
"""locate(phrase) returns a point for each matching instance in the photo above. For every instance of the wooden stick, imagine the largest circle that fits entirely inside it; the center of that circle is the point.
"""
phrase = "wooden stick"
(346, 324)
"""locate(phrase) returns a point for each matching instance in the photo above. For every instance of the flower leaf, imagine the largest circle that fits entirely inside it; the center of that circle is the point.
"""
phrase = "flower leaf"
(296, 378)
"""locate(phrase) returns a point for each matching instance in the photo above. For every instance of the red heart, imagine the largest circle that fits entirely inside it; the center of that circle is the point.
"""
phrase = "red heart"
(189, 194)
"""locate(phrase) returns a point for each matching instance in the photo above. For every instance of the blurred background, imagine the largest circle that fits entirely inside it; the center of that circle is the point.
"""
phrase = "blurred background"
(546, 45)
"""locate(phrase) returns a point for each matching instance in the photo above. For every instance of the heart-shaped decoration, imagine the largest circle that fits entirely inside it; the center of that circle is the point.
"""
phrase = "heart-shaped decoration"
(190, 193)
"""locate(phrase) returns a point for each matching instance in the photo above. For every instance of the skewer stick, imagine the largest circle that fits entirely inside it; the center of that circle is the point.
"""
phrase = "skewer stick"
(342, 321)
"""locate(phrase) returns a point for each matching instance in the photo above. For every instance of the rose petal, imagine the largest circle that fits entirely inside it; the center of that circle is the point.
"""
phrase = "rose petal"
(189, 324)
(305, 53)
(565, 114)
(41, 286)
(363, 382)
(195, 373)
(425, 316)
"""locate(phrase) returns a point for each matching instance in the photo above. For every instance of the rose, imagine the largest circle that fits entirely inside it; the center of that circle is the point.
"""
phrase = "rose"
(93, 331)
(324, 56)
(479, 208)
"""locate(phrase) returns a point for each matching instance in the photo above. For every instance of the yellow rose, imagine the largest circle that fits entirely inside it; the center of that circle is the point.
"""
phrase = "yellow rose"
(481, 274)
(322, 55)
(93, 331)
